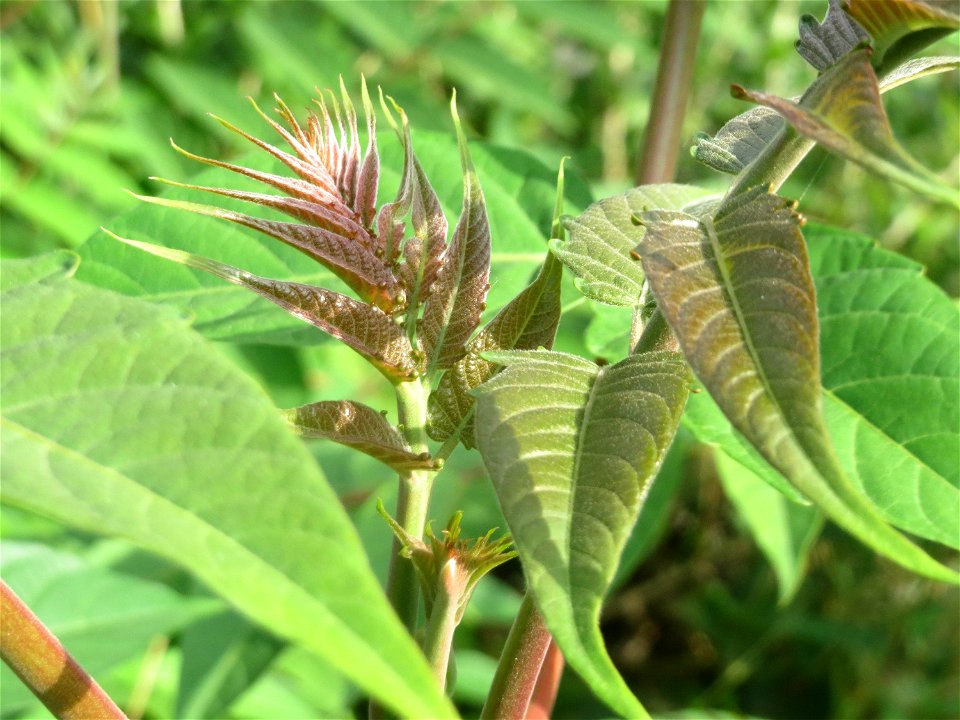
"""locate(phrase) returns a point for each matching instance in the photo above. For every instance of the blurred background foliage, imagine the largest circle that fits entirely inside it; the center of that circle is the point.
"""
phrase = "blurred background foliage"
(92, 90)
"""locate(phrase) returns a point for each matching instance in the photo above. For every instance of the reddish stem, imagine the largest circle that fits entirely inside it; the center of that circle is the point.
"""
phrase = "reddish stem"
(38, 658)
(545, 693)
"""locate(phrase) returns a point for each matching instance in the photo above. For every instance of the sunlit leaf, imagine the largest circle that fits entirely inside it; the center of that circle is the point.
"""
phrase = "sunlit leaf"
(899, 28)
(365, 328)
(452, 312)
(571, 449)
(527, 322)
(357, 426)
(737, 292)
(823, 44)
(842, 111)
(120, 420)
(918, 68)
(598, 251)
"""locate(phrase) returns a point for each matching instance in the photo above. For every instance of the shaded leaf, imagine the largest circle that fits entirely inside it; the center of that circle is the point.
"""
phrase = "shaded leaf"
(842, 111)
(357, 426)
(571, 449)
(452, 312)
(120, 420)
(527, 322)
(598, 251)
(823, 44)
(784, 531)
(740, 140)
(899, 28)
(737, 293)
(366, 329)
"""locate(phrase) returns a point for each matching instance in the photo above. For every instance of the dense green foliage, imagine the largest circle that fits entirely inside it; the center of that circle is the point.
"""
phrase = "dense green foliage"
(140, 397)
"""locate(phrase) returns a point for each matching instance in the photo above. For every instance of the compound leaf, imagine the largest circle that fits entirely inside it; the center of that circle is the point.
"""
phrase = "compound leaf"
(571, 449)
(737, 292)
(842, 111)
(119, 419)
(452, 312)
(366, 329)
(357, 426)
(598, 251)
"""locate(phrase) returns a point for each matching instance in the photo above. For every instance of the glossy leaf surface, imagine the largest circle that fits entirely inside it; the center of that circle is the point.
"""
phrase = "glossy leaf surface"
(598, 249)
(900, 28)
(366, 329)
(571, 449)
(118, 419)
(737, 292)
(842, 111)
(358, 426)
(452, 312)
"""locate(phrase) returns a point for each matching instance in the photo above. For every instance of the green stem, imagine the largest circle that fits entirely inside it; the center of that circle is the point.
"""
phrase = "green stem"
(678, 54)
(438, 635)
(42, 663)
(775, 162)
(412, 502)
(519, 666)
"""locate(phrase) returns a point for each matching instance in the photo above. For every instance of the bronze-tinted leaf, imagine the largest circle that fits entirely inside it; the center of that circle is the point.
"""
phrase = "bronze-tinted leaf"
(842, 111)
(737, 292)
(360, 427)
(452, 311)
(353, 263)
(366, 329)
(823, 44)
(899, 28)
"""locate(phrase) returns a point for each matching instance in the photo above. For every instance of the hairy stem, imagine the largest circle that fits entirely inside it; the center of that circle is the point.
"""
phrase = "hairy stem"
(438, 635)
(42, 663)
(545, 693)
(412, 502)
(519, 666)
(775, 162)
(658, 159)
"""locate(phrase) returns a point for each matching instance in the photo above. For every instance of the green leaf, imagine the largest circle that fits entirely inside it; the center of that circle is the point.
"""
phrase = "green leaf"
(899, 28)
(102, 617)
(360, 427)
(452, 311)
(842, 111)
(823, 44)
(571, 449)
(365, 328)
(222, 657)
(527, 322)
(598, 251)
(784, 531)
(120, 420)
(740, 140)
(737, 293)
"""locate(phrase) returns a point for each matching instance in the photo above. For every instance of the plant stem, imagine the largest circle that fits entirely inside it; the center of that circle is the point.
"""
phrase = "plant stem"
(545, 693)
(519, 666)
(412, 502)
(774, 163)
(38, 658)
(658, 159)
(438, 635)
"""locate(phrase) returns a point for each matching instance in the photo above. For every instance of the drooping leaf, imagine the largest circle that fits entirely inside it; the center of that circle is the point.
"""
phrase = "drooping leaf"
(823, 44)
(118, 419)
(571, 449)
(842, 111)
(365, 328)
(899, 28)
(737, 292)
(452, 312)
(357, 426)
(598, 251)
(527, 322)
(784, 531)
(740, 140)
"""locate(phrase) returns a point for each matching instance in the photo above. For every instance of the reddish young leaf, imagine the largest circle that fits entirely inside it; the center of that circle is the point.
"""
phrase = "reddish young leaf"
(900, 28)
(452, 312)
(360, 427)
(366, 329)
